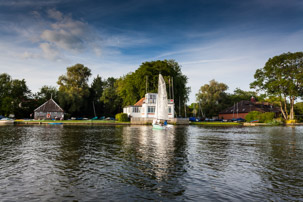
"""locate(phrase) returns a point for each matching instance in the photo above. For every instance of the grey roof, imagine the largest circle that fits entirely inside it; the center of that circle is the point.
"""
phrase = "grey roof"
(248, 106)
(49, 106)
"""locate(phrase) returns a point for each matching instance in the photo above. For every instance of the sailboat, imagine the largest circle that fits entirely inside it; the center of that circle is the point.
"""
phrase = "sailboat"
(160, 121)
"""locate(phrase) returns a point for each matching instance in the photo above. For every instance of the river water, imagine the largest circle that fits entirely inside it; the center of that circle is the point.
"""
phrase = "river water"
(127, 163)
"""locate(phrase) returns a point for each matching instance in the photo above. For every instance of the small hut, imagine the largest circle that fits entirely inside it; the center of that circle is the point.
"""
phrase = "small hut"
(49, 110)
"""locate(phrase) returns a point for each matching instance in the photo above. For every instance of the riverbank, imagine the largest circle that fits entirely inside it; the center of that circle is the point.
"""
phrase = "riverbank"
(112, 122)
(72, 122)
(216, 123)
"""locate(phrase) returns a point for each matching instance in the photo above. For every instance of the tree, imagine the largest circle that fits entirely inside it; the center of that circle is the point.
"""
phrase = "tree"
(299, 111)
(110, 98)
(212, 97)
(46, 93)
(74, 89)
(135, 85)
(96, 90)
(13, 94)
(239, 95)
(282, 76)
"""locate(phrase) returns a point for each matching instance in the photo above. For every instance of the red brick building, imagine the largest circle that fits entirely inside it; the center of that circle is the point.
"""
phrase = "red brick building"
(242, 108)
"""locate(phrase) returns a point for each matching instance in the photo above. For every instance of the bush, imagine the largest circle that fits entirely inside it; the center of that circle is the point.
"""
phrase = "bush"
(253, 115)
(266, 117)
(122, 117)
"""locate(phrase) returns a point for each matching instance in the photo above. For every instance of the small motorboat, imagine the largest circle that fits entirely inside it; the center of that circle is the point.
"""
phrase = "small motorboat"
(6, 121)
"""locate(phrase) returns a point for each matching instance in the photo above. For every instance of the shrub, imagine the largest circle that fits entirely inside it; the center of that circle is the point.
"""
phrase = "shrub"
(266, 117)
(253, 115)
(122, 117)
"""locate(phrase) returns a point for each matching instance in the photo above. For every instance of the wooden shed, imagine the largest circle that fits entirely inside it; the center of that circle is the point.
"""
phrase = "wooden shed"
(49, 110)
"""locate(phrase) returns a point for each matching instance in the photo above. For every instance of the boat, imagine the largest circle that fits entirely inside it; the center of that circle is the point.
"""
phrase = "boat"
(160, 121)
(6, 121)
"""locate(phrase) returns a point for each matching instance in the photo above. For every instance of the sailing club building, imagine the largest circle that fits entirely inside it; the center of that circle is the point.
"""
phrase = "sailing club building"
(242, 108)
(146, 107)
(48, 111)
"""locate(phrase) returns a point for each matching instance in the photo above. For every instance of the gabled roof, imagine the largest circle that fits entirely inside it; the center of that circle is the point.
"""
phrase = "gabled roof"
(247, 106)
(49, 106)
(140, 102)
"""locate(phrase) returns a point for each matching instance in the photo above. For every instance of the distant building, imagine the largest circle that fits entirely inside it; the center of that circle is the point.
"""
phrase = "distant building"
(242, 108)
(49, 110)
(146, 107)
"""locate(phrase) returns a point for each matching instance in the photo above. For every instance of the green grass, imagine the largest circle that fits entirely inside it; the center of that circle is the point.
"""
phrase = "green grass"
(216, 123)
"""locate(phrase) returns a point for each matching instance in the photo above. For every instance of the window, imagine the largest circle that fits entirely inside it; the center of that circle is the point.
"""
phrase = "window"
(136, 110)
(151, 109)
(169, 110)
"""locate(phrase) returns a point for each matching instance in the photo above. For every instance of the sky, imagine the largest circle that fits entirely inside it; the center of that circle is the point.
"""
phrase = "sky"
(225, 40)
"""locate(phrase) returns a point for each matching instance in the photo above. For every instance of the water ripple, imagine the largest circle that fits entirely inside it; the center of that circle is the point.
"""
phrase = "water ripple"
(89, 163)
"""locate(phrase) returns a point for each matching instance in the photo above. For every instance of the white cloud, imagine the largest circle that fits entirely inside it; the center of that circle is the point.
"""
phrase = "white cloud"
(67, 33)
(57, 15)
(49, 52)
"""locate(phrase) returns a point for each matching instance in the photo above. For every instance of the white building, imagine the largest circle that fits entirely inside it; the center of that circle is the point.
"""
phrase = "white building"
(146, 107)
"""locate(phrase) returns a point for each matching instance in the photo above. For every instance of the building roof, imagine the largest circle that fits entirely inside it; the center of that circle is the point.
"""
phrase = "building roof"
(140, 102)
(49, 106)
(248, 106)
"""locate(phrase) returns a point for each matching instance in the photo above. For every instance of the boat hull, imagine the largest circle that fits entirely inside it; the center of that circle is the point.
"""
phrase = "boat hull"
(7, 122)
(159, 127)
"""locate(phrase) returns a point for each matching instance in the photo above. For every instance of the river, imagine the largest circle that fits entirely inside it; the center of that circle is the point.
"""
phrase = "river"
(137, 163)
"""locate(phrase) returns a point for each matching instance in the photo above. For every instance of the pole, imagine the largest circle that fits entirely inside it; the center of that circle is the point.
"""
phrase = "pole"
(146, 84)
(179, 106)
(169, 91)
(185, 110)
(234, 110)
(172, 84)
(94, 109)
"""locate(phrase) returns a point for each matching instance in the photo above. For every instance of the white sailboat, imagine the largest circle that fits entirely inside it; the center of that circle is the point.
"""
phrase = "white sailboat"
(160, 121)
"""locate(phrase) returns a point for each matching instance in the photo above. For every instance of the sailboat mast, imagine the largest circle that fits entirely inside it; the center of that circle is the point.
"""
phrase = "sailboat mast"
(169, 91)
(146, 84)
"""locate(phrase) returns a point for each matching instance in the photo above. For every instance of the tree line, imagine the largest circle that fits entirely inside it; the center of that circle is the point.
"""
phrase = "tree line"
(280, 82)
(103, 97)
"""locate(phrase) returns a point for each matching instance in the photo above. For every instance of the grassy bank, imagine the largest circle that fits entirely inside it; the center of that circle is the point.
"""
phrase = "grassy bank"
(216, 123)
(105, 122)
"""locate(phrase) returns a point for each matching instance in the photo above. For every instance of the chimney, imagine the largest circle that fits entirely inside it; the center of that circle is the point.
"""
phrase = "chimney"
(252, 99)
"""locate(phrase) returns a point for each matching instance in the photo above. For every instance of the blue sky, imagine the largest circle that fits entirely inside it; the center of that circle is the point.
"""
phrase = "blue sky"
(211, 39)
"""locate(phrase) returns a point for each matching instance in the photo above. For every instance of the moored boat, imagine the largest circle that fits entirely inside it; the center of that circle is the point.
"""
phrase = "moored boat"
(6, 121)
(160, 122)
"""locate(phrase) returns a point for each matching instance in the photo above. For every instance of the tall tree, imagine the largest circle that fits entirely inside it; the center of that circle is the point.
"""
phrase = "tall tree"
(110, 98)
(13, 94)
(134, 85)
(96, 91)
(282, 76)
(74, 89)
(212, 97)
(46, 93)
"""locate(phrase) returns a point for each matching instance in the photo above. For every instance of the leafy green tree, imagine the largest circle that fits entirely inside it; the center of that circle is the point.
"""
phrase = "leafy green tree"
(282, 76)
(299, 111)
(110, 98)
(46, 93)
(96, 90)
(134, 85)
(240, 95)
(13, 94)
(212, 97)
(74, 89)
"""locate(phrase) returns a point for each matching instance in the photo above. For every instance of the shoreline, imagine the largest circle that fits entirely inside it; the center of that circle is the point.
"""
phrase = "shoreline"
(102, 122)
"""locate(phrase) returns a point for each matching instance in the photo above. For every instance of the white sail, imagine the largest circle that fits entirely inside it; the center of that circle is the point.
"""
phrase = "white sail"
(162, 103)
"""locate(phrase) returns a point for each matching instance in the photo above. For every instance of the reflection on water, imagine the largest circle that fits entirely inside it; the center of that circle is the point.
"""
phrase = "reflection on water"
(87, 163)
